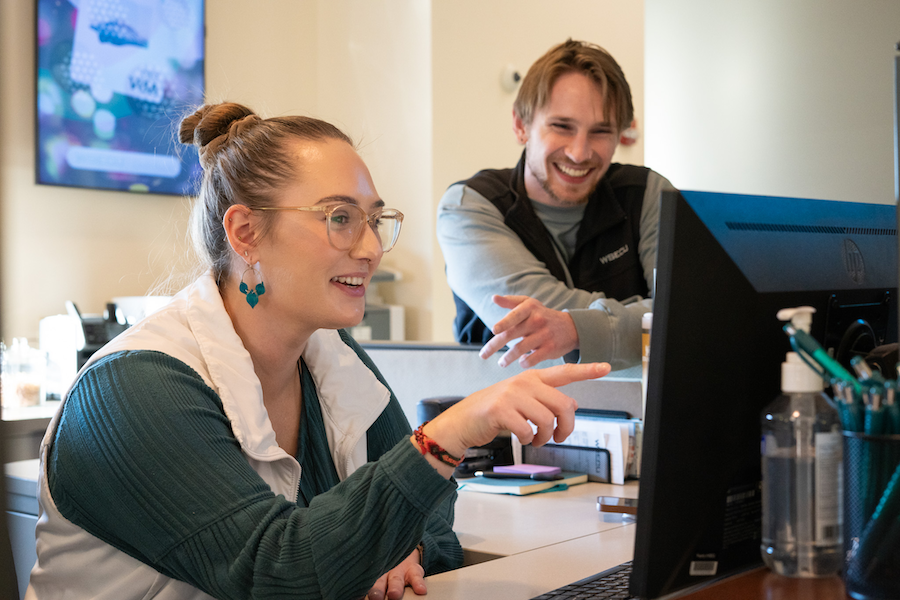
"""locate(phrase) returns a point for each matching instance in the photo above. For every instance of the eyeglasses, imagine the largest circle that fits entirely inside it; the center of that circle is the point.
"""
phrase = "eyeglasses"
(345, 223)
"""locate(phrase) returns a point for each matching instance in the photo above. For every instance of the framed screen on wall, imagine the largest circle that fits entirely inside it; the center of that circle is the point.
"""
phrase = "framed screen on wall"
(114, 78)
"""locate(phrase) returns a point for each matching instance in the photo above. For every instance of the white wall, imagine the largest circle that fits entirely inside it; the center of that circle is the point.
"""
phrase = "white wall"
(772, 97)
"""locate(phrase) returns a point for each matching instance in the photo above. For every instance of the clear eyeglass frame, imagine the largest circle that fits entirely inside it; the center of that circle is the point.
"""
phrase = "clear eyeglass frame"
(344, 223)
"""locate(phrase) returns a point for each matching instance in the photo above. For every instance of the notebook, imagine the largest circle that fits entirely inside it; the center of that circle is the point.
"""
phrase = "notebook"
(520, 487)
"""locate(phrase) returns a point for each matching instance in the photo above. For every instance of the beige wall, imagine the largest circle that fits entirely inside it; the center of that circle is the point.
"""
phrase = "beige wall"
(264, 57)
(416, 83)
(772, 97)
(60, 243)
(374, 81)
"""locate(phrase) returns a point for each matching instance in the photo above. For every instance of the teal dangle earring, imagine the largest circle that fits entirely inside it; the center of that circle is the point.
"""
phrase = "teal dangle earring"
(257, 291)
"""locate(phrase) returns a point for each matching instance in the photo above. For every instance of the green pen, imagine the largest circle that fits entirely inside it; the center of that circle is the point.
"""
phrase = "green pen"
(801, 340)
(892, 422)
(875, 467)
(876, 540)
(840, 389)
(874, 421)
(811, 352)
(854, 399)
(888, 547)
(864, 371)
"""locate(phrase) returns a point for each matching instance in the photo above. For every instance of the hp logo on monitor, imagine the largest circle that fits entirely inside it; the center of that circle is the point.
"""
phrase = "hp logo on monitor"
(853, 262)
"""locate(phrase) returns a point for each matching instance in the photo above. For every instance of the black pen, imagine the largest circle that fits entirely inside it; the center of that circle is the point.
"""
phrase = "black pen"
(532, 476)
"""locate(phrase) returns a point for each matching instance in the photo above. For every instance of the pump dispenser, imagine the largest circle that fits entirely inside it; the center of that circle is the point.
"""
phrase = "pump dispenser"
(801, 464)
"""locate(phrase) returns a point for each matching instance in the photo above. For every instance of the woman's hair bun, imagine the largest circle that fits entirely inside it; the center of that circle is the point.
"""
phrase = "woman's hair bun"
(212, 125)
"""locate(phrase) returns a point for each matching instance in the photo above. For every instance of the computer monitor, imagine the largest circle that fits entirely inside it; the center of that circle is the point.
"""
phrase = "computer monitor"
(727, 263)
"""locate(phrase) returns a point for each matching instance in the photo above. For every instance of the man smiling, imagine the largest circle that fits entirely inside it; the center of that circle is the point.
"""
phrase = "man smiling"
(555, 256)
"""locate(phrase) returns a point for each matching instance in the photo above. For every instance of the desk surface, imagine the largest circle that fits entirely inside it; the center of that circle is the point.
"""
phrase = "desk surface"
(503, 525)
(519, 547)
(530, 545)
(538, 542)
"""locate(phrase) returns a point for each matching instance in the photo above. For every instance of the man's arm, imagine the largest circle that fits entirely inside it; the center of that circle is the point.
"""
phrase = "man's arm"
(485, 258)
(610, 330)
(649, 229)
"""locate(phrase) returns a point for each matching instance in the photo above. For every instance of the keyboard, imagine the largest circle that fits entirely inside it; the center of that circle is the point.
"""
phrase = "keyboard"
(611, 584)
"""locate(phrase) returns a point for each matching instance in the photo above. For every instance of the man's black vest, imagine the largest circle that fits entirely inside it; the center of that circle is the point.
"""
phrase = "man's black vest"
(606, 251)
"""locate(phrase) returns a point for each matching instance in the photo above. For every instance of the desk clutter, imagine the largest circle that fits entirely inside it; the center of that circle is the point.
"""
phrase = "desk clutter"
(34, 375)
(867, 416)
(606, 445)
(520, 483)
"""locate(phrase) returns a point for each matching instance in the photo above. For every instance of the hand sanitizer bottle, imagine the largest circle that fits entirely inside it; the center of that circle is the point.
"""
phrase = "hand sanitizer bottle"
(802, 468)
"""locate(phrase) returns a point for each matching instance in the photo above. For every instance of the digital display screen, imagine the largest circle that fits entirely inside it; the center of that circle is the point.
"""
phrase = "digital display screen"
(114, 79)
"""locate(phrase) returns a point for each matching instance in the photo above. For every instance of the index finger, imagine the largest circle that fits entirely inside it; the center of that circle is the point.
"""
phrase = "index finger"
(492, 345)
(561, 375)
(515, 316)
(508, 301)
(501, 331)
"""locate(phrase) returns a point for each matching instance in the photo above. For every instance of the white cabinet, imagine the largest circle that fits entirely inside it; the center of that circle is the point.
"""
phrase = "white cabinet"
(22, 515)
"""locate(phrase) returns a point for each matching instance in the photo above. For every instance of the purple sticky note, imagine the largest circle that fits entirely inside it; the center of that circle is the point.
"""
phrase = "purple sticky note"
(527, 469)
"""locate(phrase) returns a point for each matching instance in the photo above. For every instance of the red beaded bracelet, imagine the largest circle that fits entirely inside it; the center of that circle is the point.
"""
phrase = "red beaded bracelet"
(429, 446)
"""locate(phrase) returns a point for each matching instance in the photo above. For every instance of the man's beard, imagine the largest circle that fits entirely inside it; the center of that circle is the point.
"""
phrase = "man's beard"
(545, 185)
(544, 181)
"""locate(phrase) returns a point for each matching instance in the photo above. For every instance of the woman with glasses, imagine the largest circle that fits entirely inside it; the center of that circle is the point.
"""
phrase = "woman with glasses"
(238, 443)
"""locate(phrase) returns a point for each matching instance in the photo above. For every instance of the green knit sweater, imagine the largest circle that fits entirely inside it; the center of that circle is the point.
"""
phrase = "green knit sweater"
(145, 459)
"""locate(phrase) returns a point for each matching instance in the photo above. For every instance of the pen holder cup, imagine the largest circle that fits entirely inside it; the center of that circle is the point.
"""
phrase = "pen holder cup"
(871, 516)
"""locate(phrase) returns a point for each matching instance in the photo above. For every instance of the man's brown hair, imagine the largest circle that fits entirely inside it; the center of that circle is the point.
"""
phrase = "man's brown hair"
(578, 57)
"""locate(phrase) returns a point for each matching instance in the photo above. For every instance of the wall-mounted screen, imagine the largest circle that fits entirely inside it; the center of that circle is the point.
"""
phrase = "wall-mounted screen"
(114, 77)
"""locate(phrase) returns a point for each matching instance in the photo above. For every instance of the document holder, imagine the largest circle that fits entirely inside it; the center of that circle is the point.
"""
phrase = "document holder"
(579, 459)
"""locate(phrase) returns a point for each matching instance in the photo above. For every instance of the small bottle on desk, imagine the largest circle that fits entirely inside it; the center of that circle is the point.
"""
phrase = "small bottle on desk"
(801, 464)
